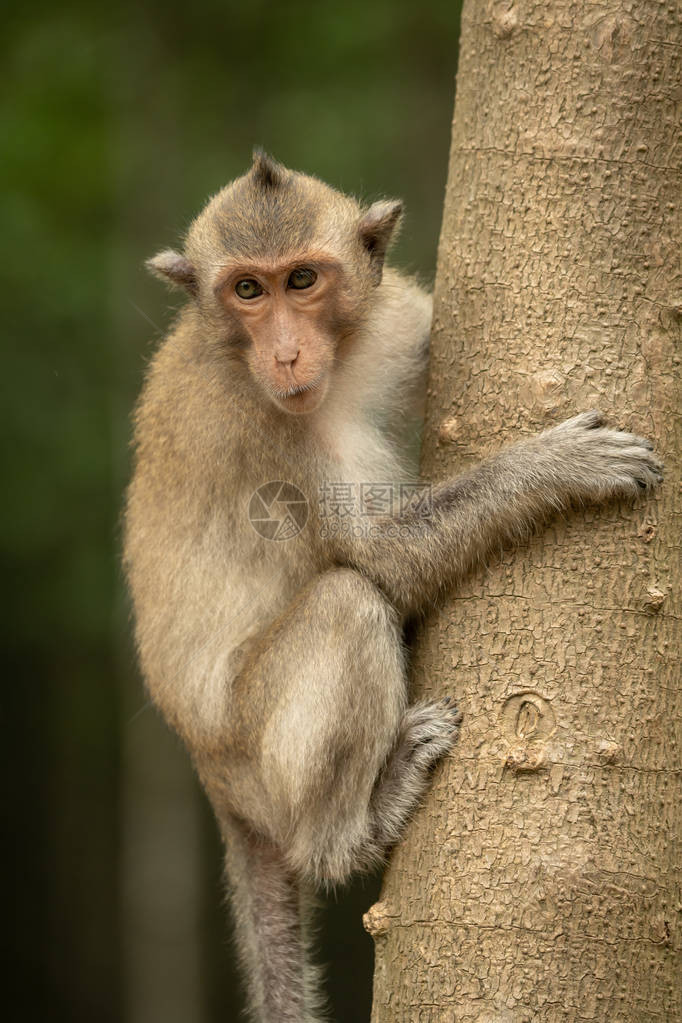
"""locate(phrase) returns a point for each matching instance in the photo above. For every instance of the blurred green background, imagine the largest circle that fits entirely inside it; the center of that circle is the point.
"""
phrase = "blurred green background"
(117, 123)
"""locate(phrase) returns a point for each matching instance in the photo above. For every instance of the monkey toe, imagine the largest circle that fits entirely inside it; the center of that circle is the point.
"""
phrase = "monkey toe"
(431, 731)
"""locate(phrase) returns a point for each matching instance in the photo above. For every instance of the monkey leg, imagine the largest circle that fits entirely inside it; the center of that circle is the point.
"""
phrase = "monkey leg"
(323, 766)
(336, 673)
(332, 760)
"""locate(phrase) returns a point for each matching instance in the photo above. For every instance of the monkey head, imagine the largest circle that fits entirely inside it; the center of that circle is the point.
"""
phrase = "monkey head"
(282, 268)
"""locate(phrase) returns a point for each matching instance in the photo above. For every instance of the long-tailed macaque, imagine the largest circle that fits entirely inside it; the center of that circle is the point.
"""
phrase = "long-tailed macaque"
(269, 605)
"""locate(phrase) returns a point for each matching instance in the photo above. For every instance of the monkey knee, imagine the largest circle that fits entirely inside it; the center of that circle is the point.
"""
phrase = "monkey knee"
(357, 621)
(343, 590)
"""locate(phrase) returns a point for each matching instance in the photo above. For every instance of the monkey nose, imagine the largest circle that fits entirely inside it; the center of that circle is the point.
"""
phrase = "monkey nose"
(287, 357)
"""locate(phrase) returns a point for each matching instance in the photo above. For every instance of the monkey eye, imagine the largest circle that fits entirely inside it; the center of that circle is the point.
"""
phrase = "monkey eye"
(248, 288)
(301, 278)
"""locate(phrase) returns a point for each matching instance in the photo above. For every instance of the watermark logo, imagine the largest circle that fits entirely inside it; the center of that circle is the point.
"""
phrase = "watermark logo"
(278, 510)
(356, 510)
(343, 500)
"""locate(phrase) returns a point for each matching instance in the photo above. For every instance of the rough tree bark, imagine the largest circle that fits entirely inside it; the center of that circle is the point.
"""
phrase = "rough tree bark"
(541, 881)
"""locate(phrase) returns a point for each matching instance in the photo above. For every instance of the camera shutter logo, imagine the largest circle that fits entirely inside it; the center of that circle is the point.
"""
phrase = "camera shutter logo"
(278, 510)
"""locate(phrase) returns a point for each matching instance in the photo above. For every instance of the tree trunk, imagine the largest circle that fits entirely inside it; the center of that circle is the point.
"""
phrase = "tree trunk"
(541, 880)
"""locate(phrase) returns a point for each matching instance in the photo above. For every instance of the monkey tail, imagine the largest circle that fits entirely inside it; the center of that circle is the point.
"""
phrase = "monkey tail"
(272, 912)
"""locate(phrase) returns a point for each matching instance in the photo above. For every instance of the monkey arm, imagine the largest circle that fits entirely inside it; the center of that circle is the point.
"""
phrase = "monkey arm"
(412, 557)
(390, 354)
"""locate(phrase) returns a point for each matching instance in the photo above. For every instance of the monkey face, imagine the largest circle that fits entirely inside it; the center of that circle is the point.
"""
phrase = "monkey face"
(296, 263)
(292, 315)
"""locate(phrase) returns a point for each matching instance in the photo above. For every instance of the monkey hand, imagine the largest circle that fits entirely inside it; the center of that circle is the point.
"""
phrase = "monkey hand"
(596, 462)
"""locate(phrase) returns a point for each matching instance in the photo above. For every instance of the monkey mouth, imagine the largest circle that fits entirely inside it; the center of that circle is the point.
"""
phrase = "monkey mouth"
(292, 392)
(296, 389)
(301, 397)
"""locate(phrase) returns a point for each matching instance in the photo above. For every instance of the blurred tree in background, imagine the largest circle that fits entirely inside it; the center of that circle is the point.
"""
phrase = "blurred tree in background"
(117, 124)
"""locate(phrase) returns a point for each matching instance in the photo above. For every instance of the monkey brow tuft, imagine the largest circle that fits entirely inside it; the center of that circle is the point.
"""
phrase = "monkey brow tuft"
(265, 171)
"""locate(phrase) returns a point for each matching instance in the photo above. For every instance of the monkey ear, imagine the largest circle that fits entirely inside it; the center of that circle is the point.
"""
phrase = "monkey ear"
(376, 230)
(174, 269)
(265, 171)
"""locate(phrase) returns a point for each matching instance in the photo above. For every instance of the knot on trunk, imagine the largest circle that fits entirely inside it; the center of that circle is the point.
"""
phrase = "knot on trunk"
(377, 919)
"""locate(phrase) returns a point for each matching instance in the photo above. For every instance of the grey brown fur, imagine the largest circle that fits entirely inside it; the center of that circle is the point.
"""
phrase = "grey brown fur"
(281, 663)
